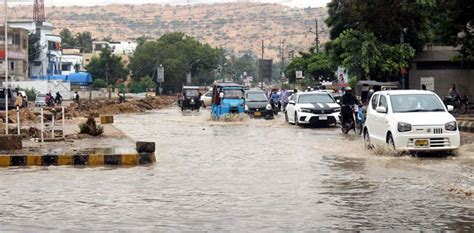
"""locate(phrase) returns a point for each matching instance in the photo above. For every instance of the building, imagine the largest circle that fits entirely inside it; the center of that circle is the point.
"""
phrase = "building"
(17, 53)
(123, 50)
(48, 60)
(71, 61)
(435, 68)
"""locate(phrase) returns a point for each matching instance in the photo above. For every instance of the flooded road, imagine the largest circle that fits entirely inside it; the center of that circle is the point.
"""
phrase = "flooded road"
(253, 175)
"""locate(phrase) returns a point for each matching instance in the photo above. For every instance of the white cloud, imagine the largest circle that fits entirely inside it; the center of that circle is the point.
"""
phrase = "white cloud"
(292, 3)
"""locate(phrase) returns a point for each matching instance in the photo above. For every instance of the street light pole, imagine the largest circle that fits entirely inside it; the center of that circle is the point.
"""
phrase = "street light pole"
(5, 88)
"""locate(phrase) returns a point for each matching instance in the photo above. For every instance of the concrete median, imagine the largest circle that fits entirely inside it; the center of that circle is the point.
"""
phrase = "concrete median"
(92, 159)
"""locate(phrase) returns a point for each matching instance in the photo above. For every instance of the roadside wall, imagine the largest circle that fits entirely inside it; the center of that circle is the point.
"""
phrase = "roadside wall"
(443, 80)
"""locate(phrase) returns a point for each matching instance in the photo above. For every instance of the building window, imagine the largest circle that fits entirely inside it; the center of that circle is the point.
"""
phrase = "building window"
(66, 67)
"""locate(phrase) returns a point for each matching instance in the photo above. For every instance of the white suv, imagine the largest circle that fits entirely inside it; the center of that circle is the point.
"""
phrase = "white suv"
(410, 120)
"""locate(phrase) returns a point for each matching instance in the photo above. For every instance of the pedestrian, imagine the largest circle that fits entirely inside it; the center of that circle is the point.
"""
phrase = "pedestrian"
(423, 87)
(453, 92)
(284, 99)
(76, 97)
(58, 99)
(19, 100)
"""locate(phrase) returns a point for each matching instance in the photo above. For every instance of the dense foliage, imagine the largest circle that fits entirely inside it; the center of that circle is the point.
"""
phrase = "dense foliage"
(81, 40)
(108, 66)
(179, 54)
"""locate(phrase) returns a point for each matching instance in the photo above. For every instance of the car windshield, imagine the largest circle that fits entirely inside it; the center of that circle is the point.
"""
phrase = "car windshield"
(315, 98)
(416, 103)
(256, 97)
(233, 94)
(191, 92)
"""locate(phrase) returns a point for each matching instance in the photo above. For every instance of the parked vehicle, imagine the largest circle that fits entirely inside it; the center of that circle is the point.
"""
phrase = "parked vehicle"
(363, 87)
(461, 104)
(257, 104)
(410, 120)
(206, 99)
(190, 99)
(227, 98)
(11, 99)
(40, 100)
(312, 108)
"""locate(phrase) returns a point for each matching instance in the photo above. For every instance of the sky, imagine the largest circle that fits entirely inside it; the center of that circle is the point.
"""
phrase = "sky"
(292, 3)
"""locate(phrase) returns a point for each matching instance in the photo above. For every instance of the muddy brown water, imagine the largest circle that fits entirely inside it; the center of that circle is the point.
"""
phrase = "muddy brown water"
(250, 175)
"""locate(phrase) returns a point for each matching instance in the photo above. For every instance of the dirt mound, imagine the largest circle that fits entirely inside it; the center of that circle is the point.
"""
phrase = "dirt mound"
(87, 107)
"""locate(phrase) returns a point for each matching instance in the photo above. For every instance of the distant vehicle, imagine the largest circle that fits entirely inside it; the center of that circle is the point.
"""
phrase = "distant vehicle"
(40, 100)
(460, 104)
(257, 104)
(410, 120)
(363, 87)
(11, 100)
(311, 108)
(206, 99)
(190, 98)
(227, 98)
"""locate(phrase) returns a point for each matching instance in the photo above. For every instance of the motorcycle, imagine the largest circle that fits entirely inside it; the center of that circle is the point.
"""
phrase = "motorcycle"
(351, 123)
(460, 104)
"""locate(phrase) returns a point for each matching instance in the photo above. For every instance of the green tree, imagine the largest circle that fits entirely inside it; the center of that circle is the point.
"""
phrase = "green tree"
(179, 54)
(315, 66)
(107, 65)
(368, 58)
(84, 41)
(68, 41)
(148, 82)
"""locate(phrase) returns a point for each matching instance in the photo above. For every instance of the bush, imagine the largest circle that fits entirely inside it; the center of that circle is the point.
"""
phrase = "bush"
(99, 83)
(30, 93)
(91, 128)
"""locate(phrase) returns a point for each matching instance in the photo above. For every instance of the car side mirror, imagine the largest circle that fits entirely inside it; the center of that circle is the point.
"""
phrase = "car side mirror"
(450, 108)
(292, 102)
(381, 109)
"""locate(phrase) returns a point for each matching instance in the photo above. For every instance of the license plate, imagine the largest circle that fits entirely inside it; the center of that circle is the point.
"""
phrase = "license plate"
(422, 143)
(257, 114)
(323, 117)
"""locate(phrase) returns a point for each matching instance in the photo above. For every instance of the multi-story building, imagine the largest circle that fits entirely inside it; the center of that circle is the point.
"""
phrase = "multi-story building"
(17, 53)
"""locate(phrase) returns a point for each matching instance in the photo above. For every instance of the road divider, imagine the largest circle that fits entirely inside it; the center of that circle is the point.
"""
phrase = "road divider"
(92, 159)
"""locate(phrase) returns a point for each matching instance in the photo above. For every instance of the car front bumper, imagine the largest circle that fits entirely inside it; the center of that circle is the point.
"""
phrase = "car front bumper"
(260, 113)
(311, 118)
(427, 142)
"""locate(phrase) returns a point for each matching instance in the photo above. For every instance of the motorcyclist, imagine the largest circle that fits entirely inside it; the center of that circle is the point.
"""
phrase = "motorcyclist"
(347, 101)
(453, 93)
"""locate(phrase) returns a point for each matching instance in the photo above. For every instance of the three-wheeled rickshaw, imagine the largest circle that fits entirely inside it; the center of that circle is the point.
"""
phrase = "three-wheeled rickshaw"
(227, 98)
(190, 98)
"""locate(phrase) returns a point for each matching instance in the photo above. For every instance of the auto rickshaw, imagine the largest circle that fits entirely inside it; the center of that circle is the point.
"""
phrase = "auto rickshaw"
(190, 98)
(227, 98)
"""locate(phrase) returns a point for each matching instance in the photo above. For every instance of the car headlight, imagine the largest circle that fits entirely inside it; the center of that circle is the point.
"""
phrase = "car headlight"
(451, 126)
(246, 108)
(305, 110)
(404, 127)
(269, 107)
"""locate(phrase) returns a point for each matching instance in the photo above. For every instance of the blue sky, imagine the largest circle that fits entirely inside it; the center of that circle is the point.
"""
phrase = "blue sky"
(292, 3)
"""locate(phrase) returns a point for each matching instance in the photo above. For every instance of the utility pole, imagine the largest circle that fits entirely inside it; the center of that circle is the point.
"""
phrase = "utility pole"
(260, 66)
(107, 79)
(316, 40)
(282, 55)
(5, 88)
(316, 32)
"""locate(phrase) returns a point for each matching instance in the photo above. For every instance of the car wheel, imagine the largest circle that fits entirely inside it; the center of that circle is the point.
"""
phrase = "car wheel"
(391, 142)
(296, 119)
(368, 145)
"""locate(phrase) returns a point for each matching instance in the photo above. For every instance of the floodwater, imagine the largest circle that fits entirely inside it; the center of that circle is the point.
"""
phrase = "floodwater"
(253, 175)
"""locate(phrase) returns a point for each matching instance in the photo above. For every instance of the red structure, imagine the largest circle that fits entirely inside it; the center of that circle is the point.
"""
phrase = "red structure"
(38, 11)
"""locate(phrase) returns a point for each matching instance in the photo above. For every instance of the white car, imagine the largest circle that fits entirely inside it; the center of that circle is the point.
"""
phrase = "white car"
(410, 120)
(206, 99)
(311, 108)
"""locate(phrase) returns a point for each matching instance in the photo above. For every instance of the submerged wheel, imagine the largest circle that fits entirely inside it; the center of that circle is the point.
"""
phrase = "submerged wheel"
(391, 142)
(367, 144)
(463, 108)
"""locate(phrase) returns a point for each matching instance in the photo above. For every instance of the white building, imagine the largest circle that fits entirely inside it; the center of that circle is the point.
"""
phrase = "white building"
(49, 59)
(118, 48)
(71, 61)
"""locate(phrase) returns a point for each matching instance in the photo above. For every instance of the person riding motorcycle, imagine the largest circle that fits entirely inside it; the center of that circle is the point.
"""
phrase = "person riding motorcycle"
(347, 101)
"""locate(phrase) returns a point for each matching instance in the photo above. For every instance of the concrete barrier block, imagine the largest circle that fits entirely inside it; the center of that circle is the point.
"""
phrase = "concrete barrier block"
(106, 119)
(10, 142)
(146, 147)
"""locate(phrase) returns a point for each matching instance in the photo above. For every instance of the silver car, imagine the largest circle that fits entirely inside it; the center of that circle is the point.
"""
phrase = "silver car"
(40, 100)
